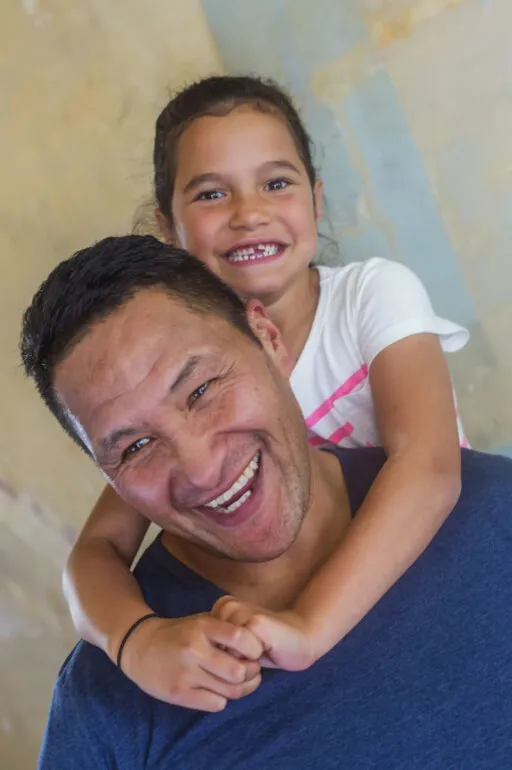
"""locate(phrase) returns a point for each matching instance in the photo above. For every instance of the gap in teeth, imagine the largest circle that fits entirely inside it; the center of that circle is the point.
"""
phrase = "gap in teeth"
(241, 481)
(263, 250)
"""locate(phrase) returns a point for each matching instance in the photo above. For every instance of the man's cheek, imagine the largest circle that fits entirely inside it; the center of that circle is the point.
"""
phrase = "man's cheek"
(146, 490)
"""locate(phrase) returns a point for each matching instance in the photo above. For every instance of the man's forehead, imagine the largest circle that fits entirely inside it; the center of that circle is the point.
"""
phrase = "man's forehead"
(151, 332)
(150, 318)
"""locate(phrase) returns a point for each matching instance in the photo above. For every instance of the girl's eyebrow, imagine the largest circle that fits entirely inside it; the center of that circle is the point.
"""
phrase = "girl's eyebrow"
(200, 179)
(211, 176)
(276, 164)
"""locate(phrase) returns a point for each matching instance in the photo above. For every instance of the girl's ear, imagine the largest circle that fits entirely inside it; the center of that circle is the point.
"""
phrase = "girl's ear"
(166, 229)
(269, 336)
(318, 197)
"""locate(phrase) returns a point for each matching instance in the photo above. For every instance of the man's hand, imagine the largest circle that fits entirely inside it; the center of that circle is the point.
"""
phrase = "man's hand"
(287, 641)
(198, 662)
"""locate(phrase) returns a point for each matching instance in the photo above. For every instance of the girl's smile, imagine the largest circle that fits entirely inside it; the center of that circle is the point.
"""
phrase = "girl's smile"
(243, 202)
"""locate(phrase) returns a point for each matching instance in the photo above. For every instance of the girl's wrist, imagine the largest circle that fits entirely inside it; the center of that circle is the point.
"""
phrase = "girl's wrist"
(123, 624)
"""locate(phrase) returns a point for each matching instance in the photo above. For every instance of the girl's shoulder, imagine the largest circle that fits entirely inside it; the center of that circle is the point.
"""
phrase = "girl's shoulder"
(380, 301)
(358, 273)
(344, 286)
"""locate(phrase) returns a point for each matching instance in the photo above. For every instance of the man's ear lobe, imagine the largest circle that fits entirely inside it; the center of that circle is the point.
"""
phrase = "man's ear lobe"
(261, 325)
(269, 336)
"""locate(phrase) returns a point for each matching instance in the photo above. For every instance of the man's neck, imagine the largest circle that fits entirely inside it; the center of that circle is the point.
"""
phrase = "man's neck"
(276, 584)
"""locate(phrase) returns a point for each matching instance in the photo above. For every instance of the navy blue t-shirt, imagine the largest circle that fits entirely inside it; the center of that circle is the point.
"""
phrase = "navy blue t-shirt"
(424, 681)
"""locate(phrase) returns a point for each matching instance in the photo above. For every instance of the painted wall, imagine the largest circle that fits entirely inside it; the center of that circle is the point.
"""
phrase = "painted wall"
(410, 105)
(82, 81)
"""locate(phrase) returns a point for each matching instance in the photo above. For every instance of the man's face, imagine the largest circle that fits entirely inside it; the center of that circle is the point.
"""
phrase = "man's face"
(193, 423)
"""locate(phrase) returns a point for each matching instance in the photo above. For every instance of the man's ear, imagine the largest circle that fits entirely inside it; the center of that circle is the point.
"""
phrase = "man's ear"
(269, 336)
(166, 229)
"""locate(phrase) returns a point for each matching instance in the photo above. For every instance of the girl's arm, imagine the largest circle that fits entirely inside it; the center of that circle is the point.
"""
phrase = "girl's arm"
(197, 662)
(103, 596)
(409, 500)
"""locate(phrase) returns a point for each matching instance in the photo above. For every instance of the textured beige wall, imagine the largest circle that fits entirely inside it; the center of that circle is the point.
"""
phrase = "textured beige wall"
(82, 81)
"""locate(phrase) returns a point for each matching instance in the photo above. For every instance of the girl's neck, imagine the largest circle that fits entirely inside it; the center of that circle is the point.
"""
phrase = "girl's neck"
(294, 311)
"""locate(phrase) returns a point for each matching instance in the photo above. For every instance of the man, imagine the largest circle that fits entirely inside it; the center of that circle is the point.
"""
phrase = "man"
(162, 376)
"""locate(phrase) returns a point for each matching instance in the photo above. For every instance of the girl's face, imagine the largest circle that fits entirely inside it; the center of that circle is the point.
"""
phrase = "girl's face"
(243, 203)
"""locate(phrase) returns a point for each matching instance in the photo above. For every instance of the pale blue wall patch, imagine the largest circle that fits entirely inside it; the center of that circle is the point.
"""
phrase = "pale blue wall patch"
(403, 193)
(504, 450)
(324, 32)
(251, 34)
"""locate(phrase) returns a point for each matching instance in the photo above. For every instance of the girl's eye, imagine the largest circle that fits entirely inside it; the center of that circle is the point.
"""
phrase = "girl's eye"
(198, 392)
(209, 195)
(134, 448)
(277, 184)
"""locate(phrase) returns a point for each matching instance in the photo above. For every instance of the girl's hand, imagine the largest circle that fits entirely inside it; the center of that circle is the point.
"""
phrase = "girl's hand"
(287, 641)
(198, 662)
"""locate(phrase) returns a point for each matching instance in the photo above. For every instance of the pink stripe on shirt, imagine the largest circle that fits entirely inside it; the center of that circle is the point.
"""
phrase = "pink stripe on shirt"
(353, 381)
(335, 437)
(341, 433)
(316, 440)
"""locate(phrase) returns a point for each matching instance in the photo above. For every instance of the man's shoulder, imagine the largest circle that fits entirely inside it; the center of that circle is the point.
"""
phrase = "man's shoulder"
(487, 484)
(93, 705)
(493, 466)
(89, 676)
(486, 478)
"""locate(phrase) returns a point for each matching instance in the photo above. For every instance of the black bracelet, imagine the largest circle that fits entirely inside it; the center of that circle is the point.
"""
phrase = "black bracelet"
(130, 632)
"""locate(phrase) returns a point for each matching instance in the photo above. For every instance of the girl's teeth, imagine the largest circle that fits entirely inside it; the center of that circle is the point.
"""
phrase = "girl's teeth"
(252, 253)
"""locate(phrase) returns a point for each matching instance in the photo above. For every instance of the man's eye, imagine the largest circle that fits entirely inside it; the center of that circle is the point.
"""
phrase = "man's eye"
(209, 195)
(277, 184)
(198, 392)
(134, 448)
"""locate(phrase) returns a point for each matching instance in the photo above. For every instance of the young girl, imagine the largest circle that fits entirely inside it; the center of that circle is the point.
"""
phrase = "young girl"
(236, 187)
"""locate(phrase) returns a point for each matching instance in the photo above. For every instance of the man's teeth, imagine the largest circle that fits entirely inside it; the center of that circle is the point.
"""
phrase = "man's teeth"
(254, 252)
(220, 502)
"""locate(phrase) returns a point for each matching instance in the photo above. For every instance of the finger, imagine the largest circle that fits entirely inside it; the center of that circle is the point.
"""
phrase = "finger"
(226, 667)
(231, 652)
(217, 608)
(230, 691)
(205, 700)
(252, 669)
(226, 607)
(235, 638)
(238, 614)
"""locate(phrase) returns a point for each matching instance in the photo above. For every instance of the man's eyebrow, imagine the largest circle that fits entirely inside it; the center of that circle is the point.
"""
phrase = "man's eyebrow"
(185, 372)
(109, 442)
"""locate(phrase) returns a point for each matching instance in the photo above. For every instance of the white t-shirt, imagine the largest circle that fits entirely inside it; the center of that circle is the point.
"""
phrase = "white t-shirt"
(363, 308)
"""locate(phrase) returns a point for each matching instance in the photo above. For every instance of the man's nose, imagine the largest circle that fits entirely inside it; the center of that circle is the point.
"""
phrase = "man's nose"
(199, 460)
(249, 211)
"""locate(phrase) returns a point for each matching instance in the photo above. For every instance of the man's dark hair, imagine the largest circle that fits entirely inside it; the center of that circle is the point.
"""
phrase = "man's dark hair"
(86, 288)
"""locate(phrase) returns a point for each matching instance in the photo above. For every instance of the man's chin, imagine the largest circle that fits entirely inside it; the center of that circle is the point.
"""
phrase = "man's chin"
(261, 557)
(269, 548)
